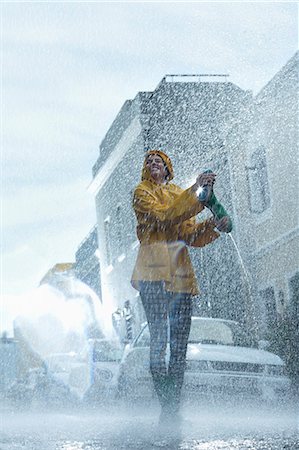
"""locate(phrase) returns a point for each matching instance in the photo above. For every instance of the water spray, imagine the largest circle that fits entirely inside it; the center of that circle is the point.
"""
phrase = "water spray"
(206, 195)
(249, 285)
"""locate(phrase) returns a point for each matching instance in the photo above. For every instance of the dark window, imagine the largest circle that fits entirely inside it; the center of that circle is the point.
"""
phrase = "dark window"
(107, 239)
(104, 351)
(294, 295)
(132, 232)
(120, 229)
(268, 306)
(258, 181)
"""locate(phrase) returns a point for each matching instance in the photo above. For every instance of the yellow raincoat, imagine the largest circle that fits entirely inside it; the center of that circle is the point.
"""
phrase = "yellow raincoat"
(166, 223)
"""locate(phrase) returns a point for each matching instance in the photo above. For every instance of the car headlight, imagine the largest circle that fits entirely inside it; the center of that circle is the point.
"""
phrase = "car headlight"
(197, 366)
(275, 370)
(103, 375)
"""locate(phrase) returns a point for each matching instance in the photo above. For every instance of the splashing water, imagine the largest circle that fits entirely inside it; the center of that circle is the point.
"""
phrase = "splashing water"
(248, 281)
(247, 277)
(54, 327)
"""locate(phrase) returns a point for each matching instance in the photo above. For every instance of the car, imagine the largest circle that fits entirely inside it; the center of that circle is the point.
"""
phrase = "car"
(70, 369)
(92, 376)
(222, 359)
(105, 356)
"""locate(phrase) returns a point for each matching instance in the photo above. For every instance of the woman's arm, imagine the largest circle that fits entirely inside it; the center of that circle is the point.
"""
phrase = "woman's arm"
(198, 234)
(149, 210)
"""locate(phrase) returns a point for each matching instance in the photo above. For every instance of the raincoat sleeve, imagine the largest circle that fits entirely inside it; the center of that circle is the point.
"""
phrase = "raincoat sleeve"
(198, 234)
(150, 210)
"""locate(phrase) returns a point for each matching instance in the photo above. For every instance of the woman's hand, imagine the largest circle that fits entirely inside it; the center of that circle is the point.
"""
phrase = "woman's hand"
(224, 224)
(204, 179)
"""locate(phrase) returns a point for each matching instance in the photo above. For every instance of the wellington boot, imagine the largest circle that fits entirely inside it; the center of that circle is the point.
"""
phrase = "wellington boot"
(161, 387)
(173, 396)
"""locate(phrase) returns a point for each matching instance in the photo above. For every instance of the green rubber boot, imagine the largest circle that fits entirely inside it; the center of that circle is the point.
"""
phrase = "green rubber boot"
(173, 395)
(161, 387)
(170, 409)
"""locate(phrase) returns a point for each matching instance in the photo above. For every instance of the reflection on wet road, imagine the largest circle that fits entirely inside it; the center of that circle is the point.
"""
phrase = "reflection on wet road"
(202, 428)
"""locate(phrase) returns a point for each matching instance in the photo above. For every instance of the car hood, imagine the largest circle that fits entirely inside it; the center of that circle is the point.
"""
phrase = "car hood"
(210, 352)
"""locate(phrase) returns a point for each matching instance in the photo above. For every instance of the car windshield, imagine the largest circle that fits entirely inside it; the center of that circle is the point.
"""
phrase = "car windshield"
(210, 331)
(61, 362)
(106, 351)
(219, 332)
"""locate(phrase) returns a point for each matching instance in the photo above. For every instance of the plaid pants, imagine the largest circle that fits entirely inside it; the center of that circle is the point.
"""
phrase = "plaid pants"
(160, 307)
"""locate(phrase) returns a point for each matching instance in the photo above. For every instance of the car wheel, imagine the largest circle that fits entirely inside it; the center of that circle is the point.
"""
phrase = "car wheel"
(125, 388)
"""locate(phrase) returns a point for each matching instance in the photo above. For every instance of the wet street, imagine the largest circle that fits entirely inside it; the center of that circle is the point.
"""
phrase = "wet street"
(117, 428)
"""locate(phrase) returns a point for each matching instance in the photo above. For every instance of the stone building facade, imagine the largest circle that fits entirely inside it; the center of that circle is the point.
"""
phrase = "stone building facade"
(265, 173)
(87, 265)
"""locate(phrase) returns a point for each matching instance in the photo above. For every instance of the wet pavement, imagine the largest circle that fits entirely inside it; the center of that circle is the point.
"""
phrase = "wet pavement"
(117, 428)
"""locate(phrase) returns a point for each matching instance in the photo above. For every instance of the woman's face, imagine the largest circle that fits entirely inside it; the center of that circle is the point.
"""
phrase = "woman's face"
(156, 167)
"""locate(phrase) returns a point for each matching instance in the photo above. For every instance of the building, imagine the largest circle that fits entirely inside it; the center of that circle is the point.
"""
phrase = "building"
(251, 142)
(264, 166)
(87, 266)
(188, 117)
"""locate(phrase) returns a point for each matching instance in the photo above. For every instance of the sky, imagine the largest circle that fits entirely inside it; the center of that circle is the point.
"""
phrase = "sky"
(66, 70)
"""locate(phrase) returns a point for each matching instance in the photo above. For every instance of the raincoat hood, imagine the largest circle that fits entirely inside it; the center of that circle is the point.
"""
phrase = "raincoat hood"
(145, 171)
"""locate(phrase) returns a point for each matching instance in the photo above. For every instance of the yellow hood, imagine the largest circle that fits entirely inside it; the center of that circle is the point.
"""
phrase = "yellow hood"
(145, 172)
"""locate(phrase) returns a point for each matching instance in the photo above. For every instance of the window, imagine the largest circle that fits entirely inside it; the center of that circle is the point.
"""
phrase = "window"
(120, 229)
(132, 228)
(258, 181)
(211, 332)
(107, 239)
(294, 296)
(105, 351)
(268, 306)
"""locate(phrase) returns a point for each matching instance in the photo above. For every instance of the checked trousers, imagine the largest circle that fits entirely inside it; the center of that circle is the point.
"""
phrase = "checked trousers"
(163, 308)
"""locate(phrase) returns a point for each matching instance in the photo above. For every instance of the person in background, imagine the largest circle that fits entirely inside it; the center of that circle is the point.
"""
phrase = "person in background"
(163, 273)
(117, 319)
(129, 320)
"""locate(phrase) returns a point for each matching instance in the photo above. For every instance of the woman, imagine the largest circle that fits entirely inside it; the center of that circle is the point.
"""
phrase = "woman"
(163, 271)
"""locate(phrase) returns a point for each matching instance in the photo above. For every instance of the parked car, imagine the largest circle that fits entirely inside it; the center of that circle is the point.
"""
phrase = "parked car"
(221, 359)
(105, 356)
(92, 377)
(70, 369)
